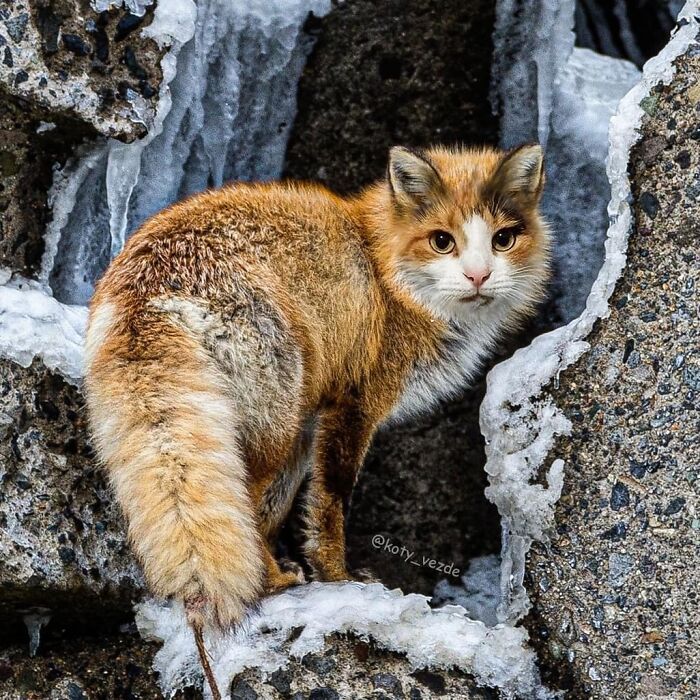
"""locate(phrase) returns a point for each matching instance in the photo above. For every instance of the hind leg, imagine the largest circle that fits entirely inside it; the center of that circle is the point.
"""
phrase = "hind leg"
(275, 578)
(344, 434)
(273, 501)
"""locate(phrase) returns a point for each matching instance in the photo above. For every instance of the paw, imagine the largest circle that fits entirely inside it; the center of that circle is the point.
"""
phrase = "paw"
(284, 579)
(290, 566)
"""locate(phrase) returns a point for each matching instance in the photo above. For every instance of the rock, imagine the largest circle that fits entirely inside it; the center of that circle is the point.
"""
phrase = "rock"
(78, 76)
(62, 541)
(409, 73)
(616, 619)
(56, 94)
(121, 667)
(631, 29)
(360, 670)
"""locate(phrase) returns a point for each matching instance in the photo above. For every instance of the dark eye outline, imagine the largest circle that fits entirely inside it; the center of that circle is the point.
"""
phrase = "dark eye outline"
(513, 232)
(450, 244)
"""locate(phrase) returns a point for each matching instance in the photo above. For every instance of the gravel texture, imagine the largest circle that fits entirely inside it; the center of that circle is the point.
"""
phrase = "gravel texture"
(118, 668)
(63, 56)
(615, 595)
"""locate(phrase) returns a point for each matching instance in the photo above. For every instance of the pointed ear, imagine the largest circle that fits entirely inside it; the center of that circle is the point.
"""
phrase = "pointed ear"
(521, 174)
(413, 179)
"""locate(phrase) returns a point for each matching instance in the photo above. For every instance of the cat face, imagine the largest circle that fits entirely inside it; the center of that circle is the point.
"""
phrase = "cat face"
(467, 240)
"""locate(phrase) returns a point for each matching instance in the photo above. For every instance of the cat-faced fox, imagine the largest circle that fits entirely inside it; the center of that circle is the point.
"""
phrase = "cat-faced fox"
(253, 337)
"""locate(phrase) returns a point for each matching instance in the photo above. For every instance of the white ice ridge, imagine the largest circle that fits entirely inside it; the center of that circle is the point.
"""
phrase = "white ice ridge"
(226, 106)
(33, 324)
(437, 638)
(518, 420)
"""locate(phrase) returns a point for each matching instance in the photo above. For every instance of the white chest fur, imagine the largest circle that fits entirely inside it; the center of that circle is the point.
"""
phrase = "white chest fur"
(459, 360)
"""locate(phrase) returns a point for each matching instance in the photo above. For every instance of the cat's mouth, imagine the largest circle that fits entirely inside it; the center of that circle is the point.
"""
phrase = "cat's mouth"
(480, 299)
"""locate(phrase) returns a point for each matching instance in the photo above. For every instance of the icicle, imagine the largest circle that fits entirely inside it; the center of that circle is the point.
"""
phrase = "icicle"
(224, 114)
(35, 620)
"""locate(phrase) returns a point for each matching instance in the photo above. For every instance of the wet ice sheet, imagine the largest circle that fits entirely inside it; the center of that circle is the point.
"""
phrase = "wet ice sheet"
(444, 638)
(479, 592)
(587, 91)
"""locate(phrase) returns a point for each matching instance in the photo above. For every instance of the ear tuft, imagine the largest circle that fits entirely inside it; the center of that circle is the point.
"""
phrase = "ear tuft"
(521, 173)
(412, 178)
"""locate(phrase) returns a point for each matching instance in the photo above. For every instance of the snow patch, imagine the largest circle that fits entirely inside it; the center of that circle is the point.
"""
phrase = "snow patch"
(444, 638)
(519, 422)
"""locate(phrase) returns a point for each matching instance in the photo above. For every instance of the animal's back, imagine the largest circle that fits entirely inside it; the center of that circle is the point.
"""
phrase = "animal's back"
(293, 246)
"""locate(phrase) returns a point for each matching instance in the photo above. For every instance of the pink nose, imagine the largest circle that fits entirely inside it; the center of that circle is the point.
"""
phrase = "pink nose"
(478, 277)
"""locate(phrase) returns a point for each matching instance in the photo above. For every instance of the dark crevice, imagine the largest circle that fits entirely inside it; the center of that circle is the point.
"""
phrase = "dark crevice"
(635, 30)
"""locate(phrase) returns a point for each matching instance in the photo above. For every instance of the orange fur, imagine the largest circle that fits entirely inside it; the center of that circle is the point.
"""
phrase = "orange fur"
(249, 332)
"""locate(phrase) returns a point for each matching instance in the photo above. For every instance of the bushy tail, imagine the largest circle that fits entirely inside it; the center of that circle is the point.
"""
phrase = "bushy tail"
(165, 429)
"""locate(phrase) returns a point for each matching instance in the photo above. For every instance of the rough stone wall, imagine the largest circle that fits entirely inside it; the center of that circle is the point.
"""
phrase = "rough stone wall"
(67, 74)
(63, 56)
(106, 668)
(63, 545)
(615, 603)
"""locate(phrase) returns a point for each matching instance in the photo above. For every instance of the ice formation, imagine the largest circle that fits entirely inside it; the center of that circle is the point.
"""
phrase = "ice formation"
(442, 638)
(520, 423)
(35, 620)
(136, 7)
(480, 590)
(224, 114)
(33, 324)
(547, 90)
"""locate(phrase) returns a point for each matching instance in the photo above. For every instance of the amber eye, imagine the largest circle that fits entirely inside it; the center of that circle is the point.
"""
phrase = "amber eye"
(504, 239)
(442, 242)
